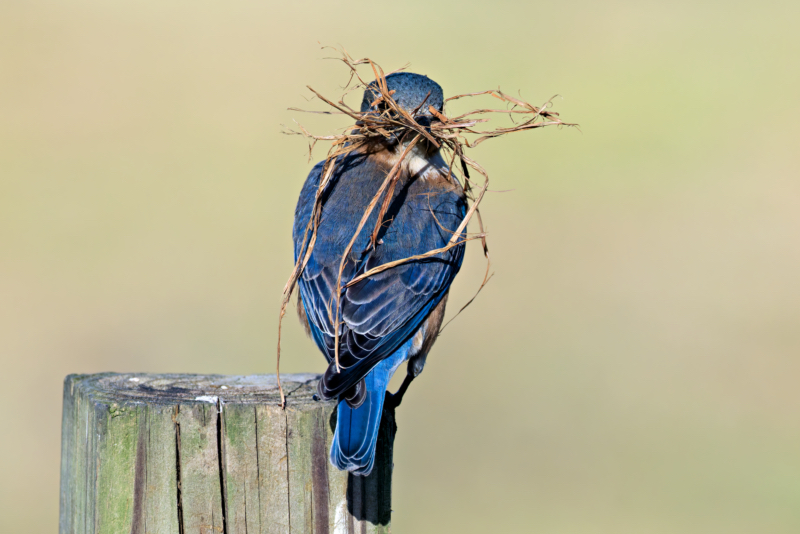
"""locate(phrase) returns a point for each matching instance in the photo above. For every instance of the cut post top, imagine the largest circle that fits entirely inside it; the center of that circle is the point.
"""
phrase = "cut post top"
(171, 389)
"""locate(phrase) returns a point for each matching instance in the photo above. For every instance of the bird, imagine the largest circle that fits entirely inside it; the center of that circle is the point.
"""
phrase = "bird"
(393, 316)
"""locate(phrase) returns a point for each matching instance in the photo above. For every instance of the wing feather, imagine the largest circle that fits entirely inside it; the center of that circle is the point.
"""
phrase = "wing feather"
(379, 313)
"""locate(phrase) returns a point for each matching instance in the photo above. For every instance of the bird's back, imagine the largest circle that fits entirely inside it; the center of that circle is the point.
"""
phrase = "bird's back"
(380, 313)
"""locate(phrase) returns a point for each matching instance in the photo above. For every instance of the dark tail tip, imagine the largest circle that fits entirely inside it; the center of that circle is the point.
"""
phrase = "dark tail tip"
(355, 395)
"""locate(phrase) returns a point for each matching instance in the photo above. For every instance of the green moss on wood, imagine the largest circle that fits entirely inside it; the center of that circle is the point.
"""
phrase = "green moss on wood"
(152, 454)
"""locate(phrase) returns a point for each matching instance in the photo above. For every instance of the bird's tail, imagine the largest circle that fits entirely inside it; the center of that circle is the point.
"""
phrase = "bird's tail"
(353, 447)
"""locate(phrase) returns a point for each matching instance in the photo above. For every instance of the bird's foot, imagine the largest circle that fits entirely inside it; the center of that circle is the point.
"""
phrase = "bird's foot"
(393, 400)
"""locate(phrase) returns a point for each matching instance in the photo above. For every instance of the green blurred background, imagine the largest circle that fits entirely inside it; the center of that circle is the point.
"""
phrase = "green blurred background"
(633, 366)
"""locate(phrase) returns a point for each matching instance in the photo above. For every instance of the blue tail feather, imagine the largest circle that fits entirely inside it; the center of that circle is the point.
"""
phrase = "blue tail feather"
(353, 447)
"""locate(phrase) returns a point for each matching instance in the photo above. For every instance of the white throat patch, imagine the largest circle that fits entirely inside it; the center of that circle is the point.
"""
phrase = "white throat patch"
(423, 166)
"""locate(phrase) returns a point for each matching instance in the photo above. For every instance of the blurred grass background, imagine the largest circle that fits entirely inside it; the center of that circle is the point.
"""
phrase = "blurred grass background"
(631, 368)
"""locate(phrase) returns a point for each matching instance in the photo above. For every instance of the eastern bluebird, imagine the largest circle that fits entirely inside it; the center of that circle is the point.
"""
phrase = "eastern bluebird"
(395, 315)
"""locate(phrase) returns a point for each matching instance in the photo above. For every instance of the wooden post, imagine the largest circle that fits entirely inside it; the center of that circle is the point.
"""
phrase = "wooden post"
(152, 454)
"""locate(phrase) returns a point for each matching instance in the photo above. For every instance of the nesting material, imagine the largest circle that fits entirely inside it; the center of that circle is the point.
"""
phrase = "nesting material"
(452, 135)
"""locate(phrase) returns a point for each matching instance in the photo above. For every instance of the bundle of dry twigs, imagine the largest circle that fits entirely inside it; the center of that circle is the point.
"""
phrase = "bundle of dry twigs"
(446, 133)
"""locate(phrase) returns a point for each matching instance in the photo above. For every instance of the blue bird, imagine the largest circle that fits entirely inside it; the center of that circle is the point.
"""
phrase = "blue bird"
(393, 316)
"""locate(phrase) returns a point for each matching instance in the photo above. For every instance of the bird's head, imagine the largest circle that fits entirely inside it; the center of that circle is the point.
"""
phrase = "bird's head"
(412, 92)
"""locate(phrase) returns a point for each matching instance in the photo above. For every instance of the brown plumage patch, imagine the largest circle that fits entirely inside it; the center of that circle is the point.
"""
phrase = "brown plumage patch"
(432, 325)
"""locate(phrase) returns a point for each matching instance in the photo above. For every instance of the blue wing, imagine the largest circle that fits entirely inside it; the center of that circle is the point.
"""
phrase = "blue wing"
(380, 313)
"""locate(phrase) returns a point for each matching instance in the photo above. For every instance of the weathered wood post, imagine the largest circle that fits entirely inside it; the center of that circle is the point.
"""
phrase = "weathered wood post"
(152, 454)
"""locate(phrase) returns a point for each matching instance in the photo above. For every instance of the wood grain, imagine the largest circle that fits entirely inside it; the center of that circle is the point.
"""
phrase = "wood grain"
(158, 454)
